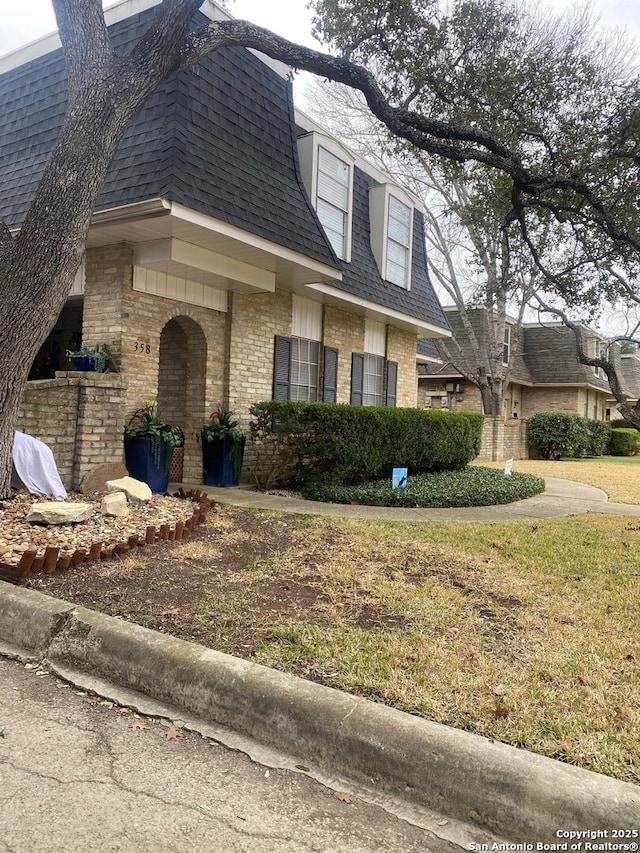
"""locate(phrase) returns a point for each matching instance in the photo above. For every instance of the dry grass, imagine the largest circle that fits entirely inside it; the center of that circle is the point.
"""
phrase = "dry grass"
(618, 476)
(526, 633)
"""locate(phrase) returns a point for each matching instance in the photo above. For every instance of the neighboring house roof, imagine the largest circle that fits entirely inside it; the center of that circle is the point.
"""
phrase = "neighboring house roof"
(428, 350)
(551, 356)
(546, 354)
(630, 370)
(219, 141)
(482, 330)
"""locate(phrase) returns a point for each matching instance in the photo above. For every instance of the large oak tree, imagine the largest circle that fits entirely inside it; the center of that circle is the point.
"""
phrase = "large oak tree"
(581, 180)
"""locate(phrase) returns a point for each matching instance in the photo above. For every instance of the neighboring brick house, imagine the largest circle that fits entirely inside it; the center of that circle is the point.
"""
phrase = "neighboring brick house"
(237, 252)
(545, 376)
(630, 373)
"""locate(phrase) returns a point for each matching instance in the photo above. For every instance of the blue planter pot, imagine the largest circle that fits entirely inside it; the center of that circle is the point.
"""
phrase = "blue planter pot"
(86, 364)
(218, 462)
(141, 465)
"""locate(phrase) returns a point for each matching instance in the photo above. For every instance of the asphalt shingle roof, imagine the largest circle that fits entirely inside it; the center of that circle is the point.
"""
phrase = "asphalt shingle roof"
(361, 276)
(219, 140)
(546, 354)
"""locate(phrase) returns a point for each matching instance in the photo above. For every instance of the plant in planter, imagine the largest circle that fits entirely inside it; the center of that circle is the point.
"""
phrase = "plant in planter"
(222, 448)
(96, 358)
(148, 447)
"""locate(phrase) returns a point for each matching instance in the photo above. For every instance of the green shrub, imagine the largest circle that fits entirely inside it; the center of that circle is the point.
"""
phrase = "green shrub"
(470, 486)
(624, 442)
(557, 434)
(599, 432)
(338, 443)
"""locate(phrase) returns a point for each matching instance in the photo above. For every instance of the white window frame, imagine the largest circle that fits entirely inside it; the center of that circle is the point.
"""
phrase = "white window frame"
(373, 379)
(506, 344)
(338, 239)
(381, 239)
(395, 242)
(305, 364)
(597, 353)
(309, 157)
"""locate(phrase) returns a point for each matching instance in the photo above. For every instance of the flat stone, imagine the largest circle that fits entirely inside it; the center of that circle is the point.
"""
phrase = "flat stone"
(96, 480)
(137, 493)
(115, 505)
(59, 512)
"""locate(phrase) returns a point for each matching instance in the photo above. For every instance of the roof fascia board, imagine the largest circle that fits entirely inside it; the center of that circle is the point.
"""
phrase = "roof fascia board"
(188, 255)
(164, 207)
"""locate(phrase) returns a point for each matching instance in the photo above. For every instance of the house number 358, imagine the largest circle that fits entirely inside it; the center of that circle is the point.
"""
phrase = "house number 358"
(140, 347)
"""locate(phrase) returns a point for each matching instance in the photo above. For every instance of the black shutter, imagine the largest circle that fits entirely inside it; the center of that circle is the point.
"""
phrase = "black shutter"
(281, 368)
(330, 375)
(392, 383)
(357, 378)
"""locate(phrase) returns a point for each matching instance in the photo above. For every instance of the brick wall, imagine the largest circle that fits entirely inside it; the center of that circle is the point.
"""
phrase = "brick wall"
(344, 331)
(401, 347)
(80, 416)
(167, 350)
(190, 359)
(253, 322)
(503, 440)
(550, 400)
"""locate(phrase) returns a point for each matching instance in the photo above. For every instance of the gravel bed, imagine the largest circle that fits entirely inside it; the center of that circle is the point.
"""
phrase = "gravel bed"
(18, 535)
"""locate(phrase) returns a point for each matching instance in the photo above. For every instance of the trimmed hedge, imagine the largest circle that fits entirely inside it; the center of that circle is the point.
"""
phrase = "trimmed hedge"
(556, 434)
(339, 443)
(624, 442)
(471, 486)
(599, 433)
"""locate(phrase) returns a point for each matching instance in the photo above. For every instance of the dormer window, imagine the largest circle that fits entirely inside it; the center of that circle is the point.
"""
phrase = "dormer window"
(506, 348)
(398, 242)
(327, 173)
(391, 218)
(332, 204)
(598, 351)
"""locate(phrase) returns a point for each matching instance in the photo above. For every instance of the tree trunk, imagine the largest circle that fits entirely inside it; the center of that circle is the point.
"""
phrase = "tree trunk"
(37, 268)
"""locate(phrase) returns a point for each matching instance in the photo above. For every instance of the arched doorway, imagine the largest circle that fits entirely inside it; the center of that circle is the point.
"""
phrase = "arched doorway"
(181, 388)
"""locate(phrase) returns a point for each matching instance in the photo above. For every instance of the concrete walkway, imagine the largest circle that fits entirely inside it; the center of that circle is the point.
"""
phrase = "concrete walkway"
(560, 498)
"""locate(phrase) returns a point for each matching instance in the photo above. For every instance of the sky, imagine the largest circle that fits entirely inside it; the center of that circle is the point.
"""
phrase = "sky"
(21, 23)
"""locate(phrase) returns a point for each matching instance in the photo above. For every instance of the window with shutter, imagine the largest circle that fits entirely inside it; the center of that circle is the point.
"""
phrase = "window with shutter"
(330, 375)
(281, 367)
(357, 378)
(296, 370)
(392, 383)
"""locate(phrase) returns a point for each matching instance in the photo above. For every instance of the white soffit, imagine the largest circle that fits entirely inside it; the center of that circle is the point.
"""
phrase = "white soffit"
(159, 219)
(364, 307)
(177, 258)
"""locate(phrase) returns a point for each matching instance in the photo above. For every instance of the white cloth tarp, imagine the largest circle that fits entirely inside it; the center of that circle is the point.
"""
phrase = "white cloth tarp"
(34, 468)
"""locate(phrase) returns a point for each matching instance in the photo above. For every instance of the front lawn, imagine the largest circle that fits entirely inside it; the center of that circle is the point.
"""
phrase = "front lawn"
(525, 632)
(618, 476)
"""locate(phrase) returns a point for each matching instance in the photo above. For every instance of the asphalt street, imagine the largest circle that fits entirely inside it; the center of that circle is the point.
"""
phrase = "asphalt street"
(78, 773)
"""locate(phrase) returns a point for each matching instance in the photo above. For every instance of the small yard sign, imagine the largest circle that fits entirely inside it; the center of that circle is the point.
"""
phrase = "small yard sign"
(399, 478)
(508, 467)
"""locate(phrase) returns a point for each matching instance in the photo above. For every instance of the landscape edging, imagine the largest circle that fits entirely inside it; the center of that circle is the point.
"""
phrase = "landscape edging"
(517, 794)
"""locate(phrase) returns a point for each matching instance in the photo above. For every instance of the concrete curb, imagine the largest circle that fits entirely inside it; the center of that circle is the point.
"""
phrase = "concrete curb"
(516, 794)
